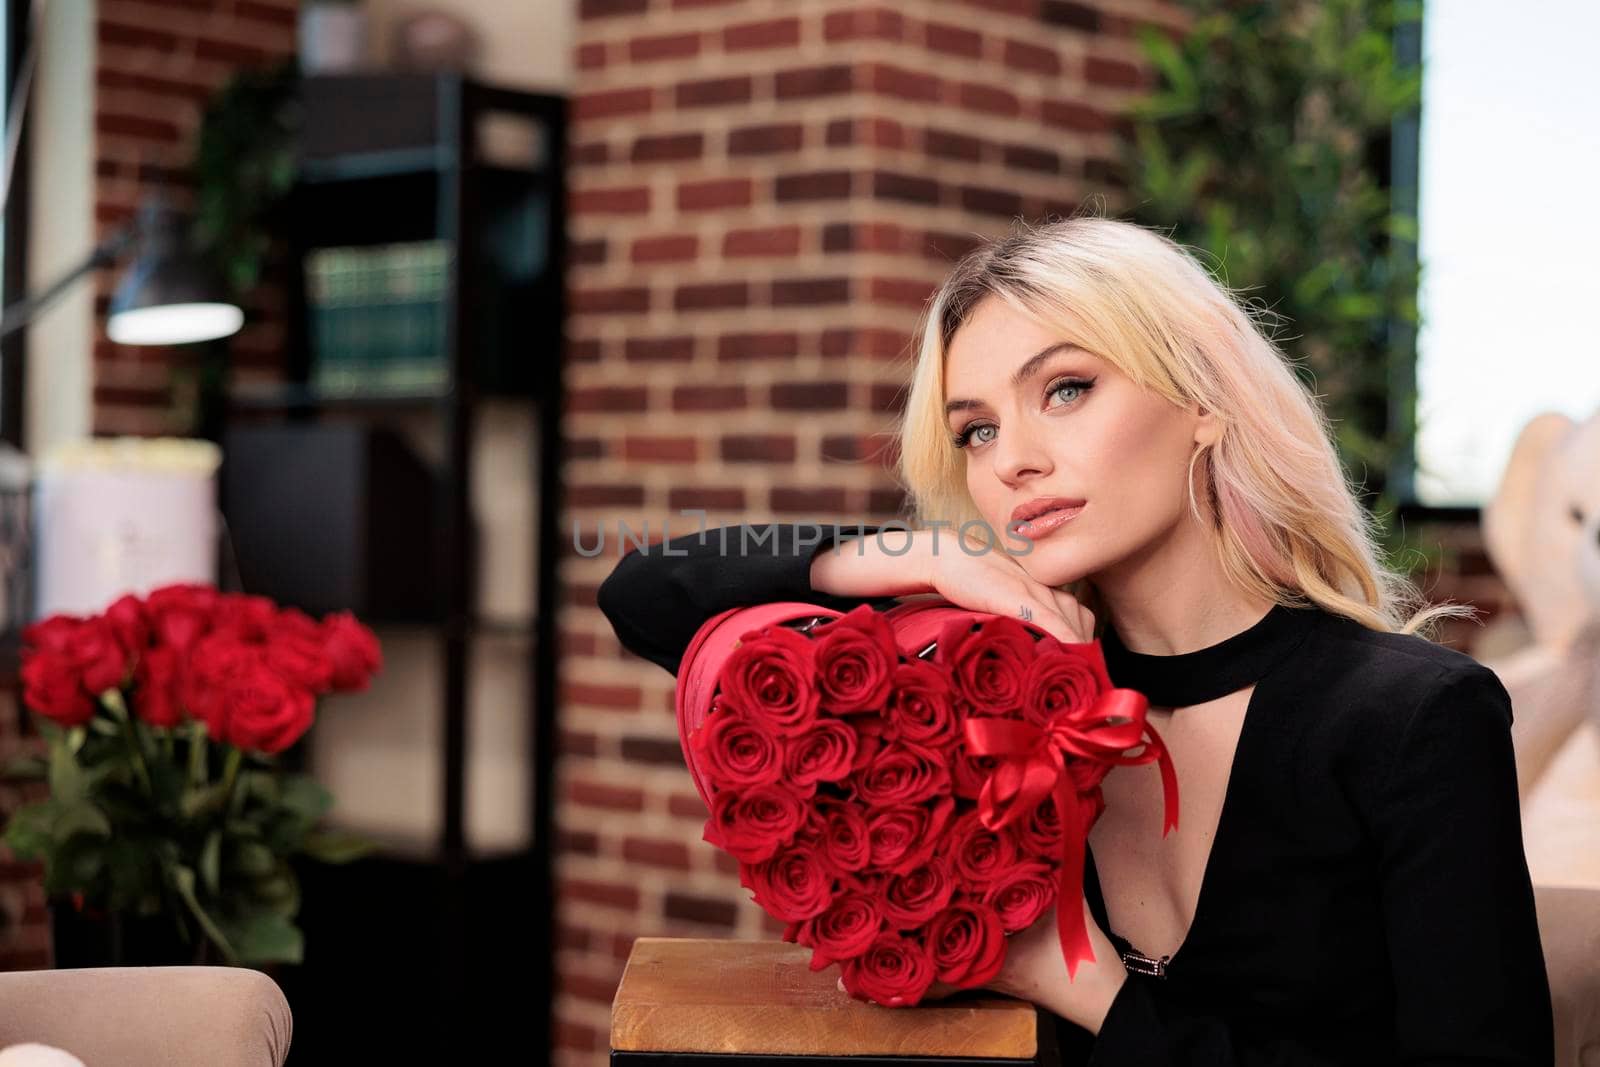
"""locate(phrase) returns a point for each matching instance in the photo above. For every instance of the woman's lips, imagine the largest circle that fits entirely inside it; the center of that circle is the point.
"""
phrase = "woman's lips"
(1040, 525)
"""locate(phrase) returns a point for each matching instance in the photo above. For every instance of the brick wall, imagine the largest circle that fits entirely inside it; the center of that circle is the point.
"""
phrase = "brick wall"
(157, 62)
(763, 195)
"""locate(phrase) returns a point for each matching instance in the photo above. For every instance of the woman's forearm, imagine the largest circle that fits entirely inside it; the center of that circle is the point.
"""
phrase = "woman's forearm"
(886, 564)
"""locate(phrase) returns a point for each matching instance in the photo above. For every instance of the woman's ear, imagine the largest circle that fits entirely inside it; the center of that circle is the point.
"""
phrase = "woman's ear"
(1207, 428)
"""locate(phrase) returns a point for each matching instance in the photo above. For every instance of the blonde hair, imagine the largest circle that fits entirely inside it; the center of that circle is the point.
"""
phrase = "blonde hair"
(1289, 525)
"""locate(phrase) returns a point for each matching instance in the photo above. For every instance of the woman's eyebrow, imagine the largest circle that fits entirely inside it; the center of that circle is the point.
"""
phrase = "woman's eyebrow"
(1021, 375)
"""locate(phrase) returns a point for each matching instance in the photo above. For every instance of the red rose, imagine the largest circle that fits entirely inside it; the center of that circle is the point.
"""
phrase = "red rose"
(261, 711)
(904, 837)
(769, 675)
(736, 751)
(751, 824)
(989, 662)
(967, 944)
(1060, 680)
(824, 753)
(845, 842)
(128, 622)
(793, 885)
(969, 772)
(52, 687)
(212, 664)
(855, 659)
(912, 898)
(1020, 895)
(155, 696)
(1039, 832)
(99, 656)
(846, 928)
(902, 773)
(979, 855)
(180, 614)
(244, 616)
(53, 634)
(354, 650)
(922, 707)
(895, 971)
(302, 662)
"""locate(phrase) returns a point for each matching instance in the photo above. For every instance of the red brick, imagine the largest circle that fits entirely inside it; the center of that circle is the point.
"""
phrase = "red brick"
(596, 9)
(947, 144)
(706, 296)
(884, 24)
(605, 496)
(1071, 15)
(989, 99)
(952, 40)
(769, 33)
(899, 82)
(715, 194)
(810, 396)
(652, 853)
(135, 36)
(592, 55)
(607, 398)
(706, 497)
(135, 126)
(670, 248)
(629, 200)
(672, 147)
(812, 185)
(664, 46)
(611, 103)
(806, 82)
(713, 92)
(658, 349)
(1100, 70)
(900, 291)
(774, 344)
(808, 292)
(660, 449)
(601, 795)
(910, 188)
(1070, 115)
(609, 894)
(987, 201)
(764, 241)
(709, 398)
(765, 140)
(758, 448)
(623, 300)
(605, 696)
(1035, 59)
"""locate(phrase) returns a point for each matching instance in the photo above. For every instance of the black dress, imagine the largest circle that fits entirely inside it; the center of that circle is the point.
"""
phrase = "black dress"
(1367, 899)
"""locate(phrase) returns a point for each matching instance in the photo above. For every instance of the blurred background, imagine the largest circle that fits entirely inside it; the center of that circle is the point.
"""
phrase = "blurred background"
(515, 272)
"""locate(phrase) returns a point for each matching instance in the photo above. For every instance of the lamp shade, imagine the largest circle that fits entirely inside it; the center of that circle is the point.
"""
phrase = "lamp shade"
(166, 296)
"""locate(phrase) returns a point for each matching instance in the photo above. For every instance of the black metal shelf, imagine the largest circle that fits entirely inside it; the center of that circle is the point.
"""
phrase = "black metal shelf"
(388, 158)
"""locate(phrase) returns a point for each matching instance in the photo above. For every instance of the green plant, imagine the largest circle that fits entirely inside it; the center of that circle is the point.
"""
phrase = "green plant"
(1263, 147)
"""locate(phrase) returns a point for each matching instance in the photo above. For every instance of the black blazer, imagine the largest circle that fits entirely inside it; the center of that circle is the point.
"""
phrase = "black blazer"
(1367, 899)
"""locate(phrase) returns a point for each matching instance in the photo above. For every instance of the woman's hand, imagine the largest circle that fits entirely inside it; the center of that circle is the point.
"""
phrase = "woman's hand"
(1035, 971)
(993, 581)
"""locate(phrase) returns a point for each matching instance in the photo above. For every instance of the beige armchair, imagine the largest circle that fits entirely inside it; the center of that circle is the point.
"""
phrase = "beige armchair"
(149, 1016)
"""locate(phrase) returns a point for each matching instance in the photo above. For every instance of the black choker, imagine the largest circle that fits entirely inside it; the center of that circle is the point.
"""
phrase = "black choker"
(1186, 678)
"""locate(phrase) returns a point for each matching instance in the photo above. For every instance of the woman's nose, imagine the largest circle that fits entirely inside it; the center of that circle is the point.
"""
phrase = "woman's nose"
(1020, 453)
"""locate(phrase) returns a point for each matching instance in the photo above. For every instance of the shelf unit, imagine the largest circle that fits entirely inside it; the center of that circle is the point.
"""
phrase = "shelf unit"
(390, 158)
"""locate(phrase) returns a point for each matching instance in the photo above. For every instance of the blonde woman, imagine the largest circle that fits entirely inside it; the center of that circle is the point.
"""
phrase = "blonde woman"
(1124, 454)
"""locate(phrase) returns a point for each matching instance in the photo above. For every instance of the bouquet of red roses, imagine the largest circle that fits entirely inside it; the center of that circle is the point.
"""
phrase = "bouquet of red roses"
(906, 788)
(162, 718)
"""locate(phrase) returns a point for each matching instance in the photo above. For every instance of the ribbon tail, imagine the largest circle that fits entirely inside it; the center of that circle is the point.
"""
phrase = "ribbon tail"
(1169, 783)
(1070, 927)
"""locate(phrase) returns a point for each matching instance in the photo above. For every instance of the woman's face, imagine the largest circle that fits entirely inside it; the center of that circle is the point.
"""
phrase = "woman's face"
(1042, 421)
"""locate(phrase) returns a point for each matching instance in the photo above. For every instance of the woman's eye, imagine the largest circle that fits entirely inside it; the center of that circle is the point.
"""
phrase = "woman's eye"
(1079, 384)
(965, 436)
(968, 435)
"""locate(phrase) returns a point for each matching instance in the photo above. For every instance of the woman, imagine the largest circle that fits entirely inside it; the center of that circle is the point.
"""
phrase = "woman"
(1347, 884)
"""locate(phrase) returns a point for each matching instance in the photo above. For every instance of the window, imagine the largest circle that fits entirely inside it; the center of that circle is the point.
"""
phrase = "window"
(1509, 159)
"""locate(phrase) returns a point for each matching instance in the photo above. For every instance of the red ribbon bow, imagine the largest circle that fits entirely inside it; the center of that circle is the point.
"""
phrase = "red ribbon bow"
(1035, 766)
